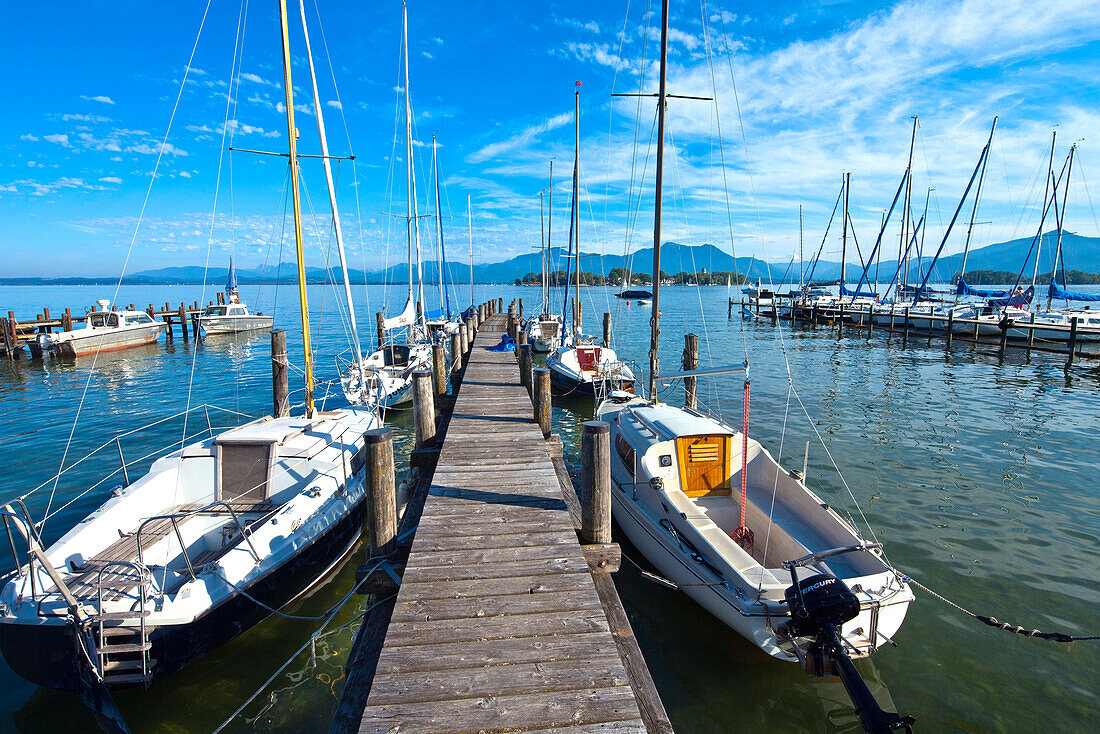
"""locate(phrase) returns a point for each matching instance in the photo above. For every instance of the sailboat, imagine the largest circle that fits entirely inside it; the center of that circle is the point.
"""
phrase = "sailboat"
(580, 366)
(232, 317)
(384, 378)
(441, 322)
(198, 550)
(754, 558)
(544, 329)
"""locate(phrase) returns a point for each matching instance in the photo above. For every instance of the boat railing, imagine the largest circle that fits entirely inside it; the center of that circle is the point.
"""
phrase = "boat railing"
(25, 526)
(174, 518)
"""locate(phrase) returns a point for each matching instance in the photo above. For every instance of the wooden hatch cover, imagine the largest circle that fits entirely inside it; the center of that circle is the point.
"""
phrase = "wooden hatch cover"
(704, 465)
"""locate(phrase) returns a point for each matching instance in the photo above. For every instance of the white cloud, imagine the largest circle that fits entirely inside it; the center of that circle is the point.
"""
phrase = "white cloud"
(256, 79)
(426, 55)
(85, 118)
(98, 98)
(185, 174)
(335, 103)
(60, 139)
(111, 179)
(29, 137)
(522, 138)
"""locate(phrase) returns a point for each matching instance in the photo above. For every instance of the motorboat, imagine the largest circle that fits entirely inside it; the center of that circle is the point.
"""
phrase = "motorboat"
(233, 316)
(105, 329)
(544, 332)
(388, 374)
(673, 471)
(583, 367)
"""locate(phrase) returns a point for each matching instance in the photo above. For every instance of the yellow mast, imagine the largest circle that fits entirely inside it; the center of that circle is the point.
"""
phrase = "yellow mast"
(292, 133)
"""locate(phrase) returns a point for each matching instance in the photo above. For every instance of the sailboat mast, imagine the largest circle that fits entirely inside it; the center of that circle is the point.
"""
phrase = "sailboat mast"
(906, 212)
(292, 134)
(356, 349)
(655, 314)
(577, 210)
(1059, 218)
(438, 219)
(847, 180)
(1051, 182)
(542, 245)
(973, 215)
(801, 263)
(411, 211)
(550, 238)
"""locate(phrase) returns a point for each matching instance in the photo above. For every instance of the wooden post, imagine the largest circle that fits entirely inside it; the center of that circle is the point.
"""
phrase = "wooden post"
(519, 311)
(221, 298)
(1072, 340)
(280, 386)
(1004, 334)
(542, 399)
(977, 322)
(595, 494)
(464, 339)
(813, 313)
(183, 322)
(729, 311)
(892, 310)
(439, 369)
(382, 518)
(195, 323)
(456, 351)
(525, 366)
(380, 328)
(423, 408)
(691, 362)
(46, 317)
(521, 341)
(67, 321)
(500, 305)
(950, 327)
(905, 334)
(870, 320)
(840, 320)
(606, 329)
(1031, 332)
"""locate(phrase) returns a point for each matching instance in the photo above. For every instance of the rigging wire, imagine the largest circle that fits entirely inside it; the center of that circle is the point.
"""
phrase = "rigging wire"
(133, 239)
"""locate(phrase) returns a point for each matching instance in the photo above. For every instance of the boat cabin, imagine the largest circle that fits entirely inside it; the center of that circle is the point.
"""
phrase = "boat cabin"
(232, 309)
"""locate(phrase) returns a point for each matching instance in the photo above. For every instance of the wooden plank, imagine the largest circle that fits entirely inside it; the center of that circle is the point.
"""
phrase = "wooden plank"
(604, 671)
(443, 656)
(504, 713)
(422, 609)
(482, 560)
(464, 571)
(496, 540)
(528, 585)
(546, 624)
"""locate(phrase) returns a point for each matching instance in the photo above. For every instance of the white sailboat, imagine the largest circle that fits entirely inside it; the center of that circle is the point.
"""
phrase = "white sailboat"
(442, 322)
(196, 551)
(384, 378)
(756, 559)
(580, 366)
(544, 329)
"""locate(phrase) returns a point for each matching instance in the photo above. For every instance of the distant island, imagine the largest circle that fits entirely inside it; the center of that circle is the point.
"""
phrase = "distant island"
(1005, 277)
(618, 276)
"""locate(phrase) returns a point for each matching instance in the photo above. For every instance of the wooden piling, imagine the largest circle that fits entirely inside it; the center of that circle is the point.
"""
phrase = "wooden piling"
(67, 321)
(905, 326)
(382, 516)
(542, 399)
(870, 320)
(691, 362)
(500, 305)
(380, 328)
(519, 309)
(524, 352)
(595, 494)
(521, 341)
(456, 351)
(1031, 332)
(183, 322)
(439, 370)
(423, 408)
(1072, 341)
(280, 386)
(606, 329)
(840, 320)
(729, 311)
(45, 317)
(950, 327)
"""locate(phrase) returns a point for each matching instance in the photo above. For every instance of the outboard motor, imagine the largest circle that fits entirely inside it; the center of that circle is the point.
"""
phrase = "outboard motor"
(820, 605)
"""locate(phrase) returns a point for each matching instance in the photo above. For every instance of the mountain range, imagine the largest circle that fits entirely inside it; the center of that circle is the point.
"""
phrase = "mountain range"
(1080, 253)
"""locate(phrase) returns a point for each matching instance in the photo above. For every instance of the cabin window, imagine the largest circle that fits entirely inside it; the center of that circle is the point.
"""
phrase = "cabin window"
(244, 469)
(626, 452)
(215, 311)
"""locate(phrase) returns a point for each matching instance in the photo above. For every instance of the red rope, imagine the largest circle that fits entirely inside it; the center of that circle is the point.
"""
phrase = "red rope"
(743, 535)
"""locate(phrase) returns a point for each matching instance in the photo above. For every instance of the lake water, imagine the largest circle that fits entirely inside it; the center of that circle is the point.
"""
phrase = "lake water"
(977, 472)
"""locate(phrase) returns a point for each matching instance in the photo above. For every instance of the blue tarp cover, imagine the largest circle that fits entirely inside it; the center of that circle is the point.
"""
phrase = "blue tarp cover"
(1055, 292)
(965, 289)
(857, 294)
(436, 314)
(507, 344)
(1016, 299)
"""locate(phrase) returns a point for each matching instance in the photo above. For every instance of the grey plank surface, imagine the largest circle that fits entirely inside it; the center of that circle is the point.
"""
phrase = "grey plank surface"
(498, 625)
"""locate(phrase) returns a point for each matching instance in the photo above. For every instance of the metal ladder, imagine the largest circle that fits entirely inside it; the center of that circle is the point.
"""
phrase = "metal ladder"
(122, 638)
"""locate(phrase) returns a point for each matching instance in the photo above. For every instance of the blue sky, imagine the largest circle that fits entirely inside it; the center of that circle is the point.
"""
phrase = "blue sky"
(823, 87)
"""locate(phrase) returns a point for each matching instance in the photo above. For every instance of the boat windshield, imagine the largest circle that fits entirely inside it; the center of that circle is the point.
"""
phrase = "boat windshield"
(100, 319)
(215, 311)
(138, 318)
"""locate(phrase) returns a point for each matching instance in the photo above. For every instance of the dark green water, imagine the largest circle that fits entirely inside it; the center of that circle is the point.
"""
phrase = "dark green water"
(976, 472)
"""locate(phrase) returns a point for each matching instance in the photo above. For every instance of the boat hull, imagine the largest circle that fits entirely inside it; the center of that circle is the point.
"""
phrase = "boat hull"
(234, 324)
(588, 388)
(44, 653)
(109, 340)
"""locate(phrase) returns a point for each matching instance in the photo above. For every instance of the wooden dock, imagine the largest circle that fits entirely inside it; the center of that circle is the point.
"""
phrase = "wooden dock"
(500, 624)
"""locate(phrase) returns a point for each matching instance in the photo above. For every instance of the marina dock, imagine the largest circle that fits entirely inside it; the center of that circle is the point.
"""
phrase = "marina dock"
(503, 621)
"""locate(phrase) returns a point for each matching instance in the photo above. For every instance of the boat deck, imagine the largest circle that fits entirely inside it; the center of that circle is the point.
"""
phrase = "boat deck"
(498, 626)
